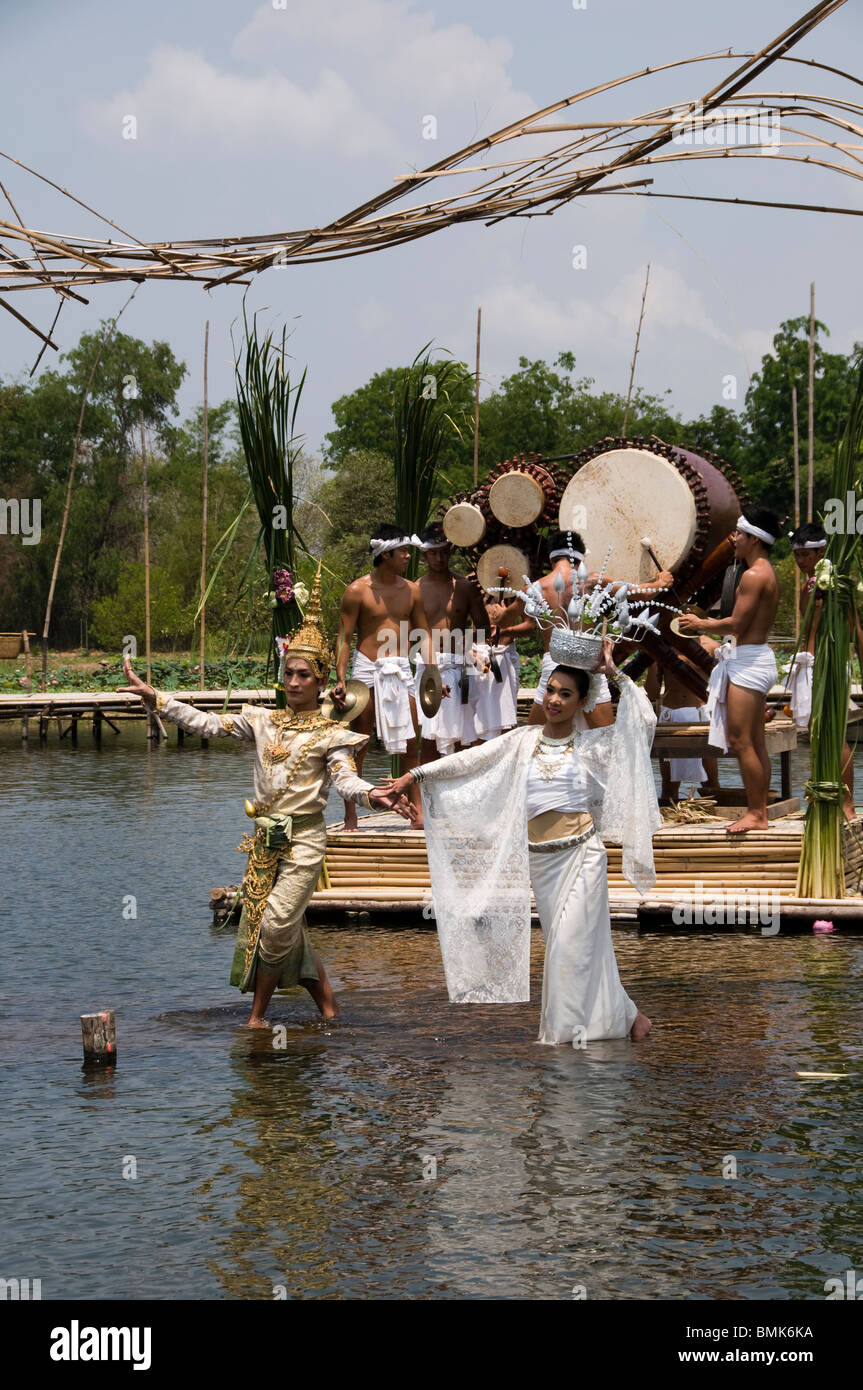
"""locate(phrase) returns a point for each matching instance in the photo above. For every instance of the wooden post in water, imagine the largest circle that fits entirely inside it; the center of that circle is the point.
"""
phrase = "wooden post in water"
(28, 663)
(99, 1037)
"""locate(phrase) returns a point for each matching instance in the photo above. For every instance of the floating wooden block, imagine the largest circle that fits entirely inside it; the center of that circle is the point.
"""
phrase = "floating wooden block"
(99, 1036)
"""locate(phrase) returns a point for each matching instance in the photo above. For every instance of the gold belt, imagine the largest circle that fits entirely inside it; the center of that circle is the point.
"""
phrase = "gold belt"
(558, 825)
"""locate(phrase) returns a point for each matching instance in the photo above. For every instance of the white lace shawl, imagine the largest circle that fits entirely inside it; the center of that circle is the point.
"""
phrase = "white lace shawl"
(474, 807)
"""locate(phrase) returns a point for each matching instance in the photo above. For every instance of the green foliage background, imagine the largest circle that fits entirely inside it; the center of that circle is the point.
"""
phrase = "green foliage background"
(341, 498)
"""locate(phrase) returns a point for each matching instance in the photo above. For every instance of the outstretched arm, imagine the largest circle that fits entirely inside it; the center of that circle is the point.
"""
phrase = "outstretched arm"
(477, 759)
(194, 721)
(343, 774)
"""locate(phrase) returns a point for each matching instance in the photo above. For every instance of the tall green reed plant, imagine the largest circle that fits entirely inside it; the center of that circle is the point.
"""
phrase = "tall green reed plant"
(838, 577)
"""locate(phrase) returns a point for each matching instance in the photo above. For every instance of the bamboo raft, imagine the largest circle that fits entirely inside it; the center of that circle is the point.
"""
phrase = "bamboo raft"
(381, 871)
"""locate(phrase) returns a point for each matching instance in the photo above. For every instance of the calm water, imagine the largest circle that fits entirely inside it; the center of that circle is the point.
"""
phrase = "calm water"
(417, 1149)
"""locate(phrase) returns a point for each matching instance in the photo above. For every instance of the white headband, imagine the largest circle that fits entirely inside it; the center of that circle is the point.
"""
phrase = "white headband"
(809, 545)
(744, 525)
(556, 554)
(380, 547)
(433, 545)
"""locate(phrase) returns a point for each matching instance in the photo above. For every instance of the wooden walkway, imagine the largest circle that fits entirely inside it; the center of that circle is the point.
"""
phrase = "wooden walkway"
(112, 707)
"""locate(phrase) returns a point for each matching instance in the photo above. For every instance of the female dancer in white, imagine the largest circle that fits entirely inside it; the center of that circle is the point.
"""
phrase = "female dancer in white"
(529, 808)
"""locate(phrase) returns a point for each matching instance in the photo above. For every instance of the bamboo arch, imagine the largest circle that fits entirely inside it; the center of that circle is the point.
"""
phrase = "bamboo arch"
(595, 158)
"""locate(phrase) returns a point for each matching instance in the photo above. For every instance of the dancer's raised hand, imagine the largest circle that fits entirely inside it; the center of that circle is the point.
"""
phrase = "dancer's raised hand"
(136, 686)
(606, 664)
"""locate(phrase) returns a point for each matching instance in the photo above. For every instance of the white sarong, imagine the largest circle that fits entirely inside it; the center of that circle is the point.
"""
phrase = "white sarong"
(751, 667)
(548, 665)
(685, 770)
(799, 687)
(497, 700)
(582, 997)
(392, 682)
(454, 722)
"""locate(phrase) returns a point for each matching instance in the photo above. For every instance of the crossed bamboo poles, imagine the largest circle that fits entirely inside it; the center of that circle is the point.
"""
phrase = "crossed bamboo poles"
(821, 131)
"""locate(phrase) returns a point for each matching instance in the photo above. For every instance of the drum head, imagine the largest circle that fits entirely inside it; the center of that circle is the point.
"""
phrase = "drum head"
(516, 499)
(626, 494)
(464, 524)
(498, 557)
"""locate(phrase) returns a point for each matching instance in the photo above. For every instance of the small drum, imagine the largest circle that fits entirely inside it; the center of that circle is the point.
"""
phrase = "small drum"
(498, 557)
(464, 524)
(516, 499)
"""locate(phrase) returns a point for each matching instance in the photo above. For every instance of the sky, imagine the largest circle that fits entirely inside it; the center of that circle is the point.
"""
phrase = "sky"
(250, 119)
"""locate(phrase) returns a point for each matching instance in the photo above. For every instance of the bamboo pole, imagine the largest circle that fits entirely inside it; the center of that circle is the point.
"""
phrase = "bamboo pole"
(796, 504)
(635, 353)
(109, 333)
(810, 482)
(146, 550)
(476, 404)
(204, 522)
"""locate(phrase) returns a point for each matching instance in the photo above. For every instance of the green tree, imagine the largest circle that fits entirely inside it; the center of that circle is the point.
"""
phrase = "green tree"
(770, 453)
(37, 432)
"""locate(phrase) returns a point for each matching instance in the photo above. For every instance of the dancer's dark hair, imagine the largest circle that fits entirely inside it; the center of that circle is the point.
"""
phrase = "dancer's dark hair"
(579, 678)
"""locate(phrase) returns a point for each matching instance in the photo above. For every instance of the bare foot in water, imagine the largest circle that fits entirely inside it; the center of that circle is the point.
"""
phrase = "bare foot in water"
(750, 821)
(257, 1023)
(641, 1027)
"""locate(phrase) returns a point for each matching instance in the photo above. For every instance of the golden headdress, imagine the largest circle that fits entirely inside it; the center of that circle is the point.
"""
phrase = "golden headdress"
(310, 641)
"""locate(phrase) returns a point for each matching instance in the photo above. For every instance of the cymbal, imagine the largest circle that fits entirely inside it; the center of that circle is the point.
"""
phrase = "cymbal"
(430, 691)
(357, 696)
(696, 613)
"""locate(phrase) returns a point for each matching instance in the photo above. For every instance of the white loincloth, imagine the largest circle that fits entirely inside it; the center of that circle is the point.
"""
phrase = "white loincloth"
(548, 665)
(751, 666)
(497, 701)
(392, 682)
(799, 686)
(685, 770)
(454, 722)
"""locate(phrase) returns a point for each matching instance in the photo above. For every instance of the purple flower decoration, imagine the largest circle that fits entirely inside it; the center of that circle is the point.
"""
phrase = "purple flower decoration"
(283, 585)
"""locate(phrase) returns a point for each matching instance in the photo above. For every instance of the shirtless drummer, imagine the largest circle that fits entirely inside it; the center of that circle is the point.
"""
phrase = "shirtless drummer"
(384, 611)
(745, 665)
(449, 600)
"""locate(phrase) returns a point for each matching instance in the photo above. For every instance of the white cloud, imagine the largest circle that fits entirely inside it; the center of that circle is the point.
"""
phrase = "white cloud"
(528, 316)
(353, 76)
(395, 52)
(184, 97)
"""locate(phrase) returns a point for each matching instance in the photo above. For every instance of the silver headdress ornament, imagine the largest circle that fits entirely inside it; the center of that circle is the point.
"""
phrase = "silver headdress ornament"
(578, 630)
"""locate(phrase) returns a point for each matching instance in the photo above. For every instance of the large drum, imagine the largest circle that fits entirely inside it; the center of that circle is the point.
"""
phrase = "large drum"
(638, 497)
